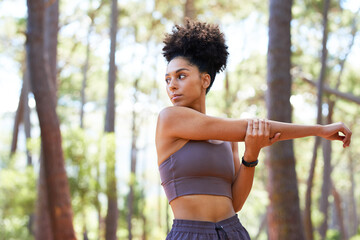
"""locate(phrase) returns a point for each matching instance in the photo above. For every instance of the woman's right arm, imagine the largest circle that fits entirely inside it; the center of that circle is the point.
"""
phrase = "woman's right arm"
(186, 123)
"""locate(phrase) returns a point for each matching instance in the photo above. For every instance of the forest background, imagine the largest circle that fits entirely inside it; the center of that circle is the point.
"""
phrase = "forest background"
(108, 87)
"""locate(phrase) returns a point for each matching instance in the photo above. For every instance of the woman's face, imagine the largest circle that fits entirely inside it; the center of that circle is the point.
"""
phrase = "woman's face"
(184, 83)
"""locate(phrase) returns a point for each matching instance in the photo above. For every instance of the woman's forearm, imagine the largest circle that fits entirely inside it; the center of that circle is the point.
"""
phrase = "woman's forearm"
(242, 186)
(290, 131)
(284, 131)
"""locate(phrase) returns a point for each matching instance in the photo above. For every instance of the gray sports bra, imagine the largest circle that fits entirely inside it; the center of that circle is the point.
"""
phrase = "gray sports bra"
(199, 167)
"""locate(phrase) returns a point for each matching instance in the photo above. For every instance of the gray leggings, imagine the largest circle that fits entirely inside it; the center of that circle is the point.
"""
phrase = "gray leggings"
(230, 229)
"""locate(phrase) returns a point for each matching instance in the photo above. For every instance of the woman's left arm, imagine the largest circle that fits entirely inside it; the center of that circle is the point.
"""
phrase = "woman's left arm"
(262, 133)
(242, 185)
(257, 137)
(329, 131)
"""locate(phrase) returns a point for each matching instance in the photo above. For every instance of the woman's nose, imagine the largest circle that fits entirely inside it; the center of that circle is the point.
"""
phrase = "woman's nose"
(172, 84)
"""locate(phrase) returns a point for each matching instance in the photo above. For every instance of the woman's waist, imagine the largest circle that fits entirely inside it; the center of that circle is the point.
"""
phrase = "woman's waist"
(209, 208)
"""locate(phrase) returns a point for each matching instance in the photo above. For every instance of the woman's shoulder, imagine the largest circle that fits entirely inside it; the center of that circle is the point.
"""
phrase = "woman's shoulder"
(171, 115)
(174, 110)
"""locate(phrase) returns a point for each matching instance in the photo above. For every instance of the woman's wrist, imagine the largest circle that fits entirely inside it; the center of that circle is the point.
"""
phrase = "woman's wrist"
(319, 130)
(251, 156)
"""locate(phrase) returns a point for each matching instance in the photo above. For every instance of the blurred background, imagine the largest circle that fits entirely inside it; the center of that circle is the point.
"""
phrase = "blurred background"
(101, 67)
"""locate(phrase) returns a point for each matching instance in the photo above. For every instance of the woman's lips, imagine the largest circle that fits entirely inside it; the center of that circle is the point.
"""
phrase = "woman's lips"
(175, 97)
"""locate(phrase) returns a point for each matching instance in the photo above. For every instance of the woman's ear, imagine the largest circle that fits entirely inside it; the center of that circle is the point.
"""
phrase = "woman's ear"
(206, 80)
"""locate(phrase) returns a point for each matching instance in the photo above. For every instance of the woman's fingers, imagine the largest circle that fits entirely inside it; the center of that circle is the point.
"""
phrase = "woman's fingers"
(250, 127)
(347, 139)
(275, 138)
(261, 127)
(255, 126)
(266, 128)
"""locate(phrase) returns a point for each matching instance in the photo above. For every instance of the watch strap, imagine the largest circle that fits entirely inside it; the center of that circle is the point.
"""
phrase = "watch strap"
(249, 164)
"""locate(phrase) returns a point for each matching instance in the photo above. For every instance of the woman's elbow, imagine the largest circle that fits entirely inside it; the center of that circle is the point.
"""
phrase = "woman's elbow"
(237, 206)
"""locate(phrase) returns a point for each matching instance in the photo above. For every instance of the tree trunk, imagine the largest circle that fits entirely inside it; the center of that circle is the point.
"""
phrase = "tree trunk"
(58, 196)
(229, 99)
(50, 54)
(19, 116)
(189, 9)
(133, 163)
(112, 210)
(23, 115)
(51, 29)
(307, 214)
(325, 189)
(326, 186)
(43, 228)
(85, 72)
(353, 218)
(27, 123)
(284, 220)
(97, 203)
(307, 211)
(339, 212)
(143, 203)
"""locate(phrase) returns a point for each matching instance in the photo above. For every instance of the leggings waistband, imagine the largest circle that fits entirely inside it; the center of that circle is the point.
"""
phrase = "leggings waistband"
(204, 226)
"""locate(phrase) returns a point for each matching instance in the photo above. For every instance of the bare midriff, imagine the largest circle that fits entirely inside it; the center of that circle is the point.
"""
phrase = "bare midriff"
(210, 208)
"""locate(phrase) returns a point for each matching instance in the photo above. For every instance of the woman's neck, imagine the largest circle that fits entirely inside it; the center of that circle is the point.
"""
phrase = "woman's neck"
(201, 105)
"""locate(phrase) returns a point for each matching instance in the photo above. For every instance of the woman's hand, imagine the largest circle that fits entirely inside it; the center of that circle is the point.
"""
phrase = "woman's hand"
(331, 132)
(257, 137)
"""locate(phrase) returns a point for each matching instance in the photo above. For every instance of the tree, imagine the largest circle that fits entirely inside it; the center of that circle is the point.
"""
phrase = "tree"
(134, 152)
(189, 9)
(112, 210)
(51, 23)
(284, 221)
(320, 86)
(58, 196)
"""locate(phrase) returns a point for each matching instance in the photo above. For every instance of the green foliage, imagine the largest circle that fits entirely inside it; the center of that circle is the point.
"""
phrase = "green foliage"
(243, 99)
(82, 154)
(138, 201)
(357, 237)
(333, 234)
(17, 202)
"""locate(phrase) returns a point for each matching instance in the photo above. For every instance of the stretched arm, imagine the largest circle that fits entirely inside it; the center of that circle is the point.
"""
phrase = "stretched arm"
(330, 131)
(186, 123)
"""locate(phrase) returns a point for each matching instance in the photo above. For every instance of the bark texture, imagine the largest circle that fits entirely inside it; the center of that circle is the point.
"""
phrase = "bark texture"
(58, 196)
(112, 210)
(320, 90)
(284, 220)
(189, 9)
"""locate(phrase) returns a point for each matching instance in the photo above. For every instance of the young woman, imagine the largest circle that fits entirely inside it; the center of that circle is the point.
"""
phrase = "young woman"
(198, 155)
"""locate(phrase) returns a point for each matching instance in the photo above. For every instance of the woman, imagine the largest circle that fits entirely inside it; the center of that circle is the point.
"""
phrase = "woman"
(197, 154)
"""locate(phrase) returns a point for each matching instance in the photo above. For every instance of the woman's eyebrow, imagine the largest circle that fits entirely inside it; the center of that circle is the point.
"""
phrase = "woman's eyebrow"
(179, 70)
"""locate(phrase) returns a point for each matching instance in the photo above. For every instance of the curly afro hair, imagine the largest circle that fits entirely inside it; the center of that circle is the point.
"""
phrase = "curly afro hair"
(201, 44)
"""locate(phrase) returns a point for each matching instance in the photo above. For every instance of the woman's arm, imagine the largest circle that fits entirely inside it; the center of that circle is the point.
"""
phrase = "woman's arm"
(257, 137)
(186, 123)
(330, 131)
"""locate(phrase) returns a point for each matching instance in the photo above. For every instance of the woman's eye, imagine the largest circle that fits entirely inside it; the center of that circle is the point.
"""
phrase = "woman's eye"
(181, 76)
(167, 80)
